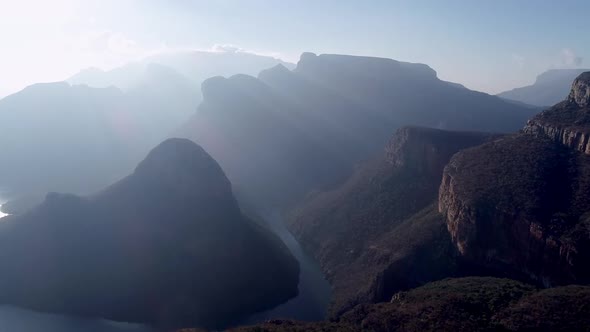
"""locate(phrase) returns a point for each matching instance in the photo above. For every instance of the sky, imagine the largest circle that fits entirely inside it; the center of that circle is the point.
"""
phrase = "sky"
(489, 46)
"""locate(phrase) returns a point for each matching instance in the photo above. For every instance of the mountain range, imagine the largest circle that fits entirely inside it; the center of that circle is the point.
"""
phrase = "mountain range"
(80, 135)
(428, 206)
(288, 132)
(457, 205)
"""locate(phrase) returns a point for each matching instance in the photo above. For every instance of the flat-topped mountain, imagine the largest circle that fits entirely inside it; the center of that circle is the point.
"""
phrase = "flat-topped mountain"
(167, 245)
(550, 88)
(379, 232)
(286, 133)
(520, 204)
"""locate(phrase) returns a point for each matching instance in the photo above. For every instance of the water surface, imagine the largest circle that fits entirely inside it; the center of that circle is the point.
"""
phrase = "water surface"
(314, 290)
(14, 319)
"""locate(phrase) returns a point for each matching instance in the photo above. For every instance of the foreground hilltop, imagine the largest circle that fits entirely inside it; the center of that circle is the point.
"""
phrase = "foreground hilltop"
(460, 305)
(286, 133)
(167, 245)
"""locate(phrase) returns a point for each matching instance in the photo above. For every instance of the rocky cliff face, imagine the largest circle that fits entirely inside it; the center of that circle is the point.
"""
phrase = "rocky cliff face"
(167, 245)
(569, 121)
(427, 150)
(520, 204)
(379, 232)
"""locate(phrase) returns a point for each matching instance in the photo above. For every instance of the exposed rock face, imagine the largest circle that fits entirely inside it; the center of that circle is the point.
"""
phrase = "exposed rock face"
(167, 245)
(580, 93)
(379, 232)
(569, 121)
(518, 205)
(427, 150)
(570, 137)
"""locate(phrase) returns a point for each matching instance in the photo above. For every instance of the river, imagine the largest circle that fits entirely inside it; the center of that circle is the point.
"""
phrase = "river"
(314, 290)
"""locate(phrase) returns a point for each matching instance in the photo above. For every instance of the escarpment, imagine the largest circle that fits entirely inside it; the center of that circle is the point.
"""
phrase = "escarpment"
(569, 121)
(380, 232)
(520, 205)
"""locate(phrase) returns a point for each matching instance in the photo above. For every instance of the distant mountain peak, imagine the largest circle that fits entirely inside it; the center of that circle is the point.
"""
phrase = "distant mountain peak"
(312, 64)
(553, 75)
(277, 72)
(550, 87)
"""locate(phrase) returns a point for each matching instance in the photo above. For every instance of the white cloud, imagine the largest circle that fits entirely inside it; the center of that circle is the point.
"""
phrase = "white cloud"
(518, 60)
(569, 58)
(231, 48)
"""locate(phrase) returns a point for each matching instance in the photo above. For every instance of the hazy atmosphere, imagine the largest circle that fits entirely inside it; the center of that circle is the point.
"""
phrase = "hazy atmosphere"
(264, 166)
(486, 46)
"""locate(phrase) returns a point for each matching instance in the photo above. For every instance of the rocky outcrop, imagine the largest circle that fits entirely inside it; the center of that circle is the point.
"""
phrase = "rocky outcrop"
(518, 206)
(580, 93)
(379, 232)
(569, 121)
(570, 137)
(428, 150)
(167, 245)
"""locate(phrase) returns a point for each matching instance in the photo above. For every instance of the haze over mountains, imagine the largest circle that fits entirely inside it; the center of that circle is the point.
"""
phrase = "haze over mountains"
(549, 88)
(285, 133)
(92, 130)
(415, 196)
(514, 206)
(167, 245)
(195, 66)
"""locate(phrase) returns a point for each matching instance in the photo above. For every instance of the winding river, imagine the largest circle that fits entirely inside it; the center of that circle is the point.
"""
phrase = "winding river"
(314, 290)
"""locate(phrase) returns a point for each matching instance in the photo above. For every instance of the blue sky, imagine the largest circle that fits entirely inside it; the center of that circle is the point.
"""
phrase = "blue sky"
(487, 45)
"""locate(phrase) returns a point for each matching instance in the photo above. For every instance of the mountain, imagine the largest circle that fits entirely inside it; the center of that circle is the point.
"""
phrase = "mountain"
(196, 66)
(81, 135)
(286, 133)
(521, 204)
(465, 304)
(380, 231)
(439, 204)
(62, 137)
(166, 245)
(549, 88)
